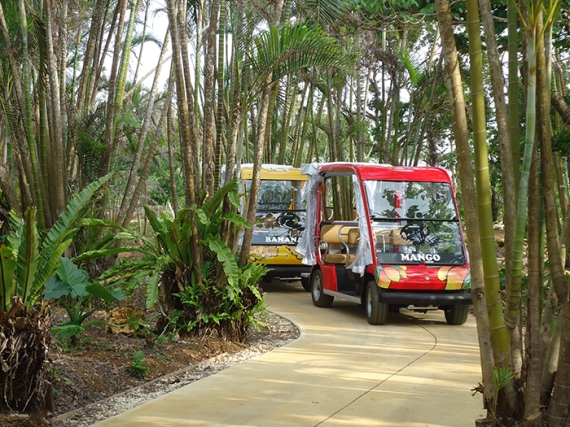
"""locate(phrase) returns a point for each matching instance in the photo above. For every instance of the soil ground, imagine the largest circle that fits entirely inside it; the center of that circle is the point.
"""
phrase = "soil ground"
(100, 365)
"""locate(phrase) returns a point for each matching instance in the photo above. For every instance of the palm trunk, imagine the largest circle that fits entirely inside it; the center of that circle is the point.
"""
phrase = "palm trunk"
(171, 164)
(513, 91)
(209, 100)
(112, 101)
(184, 124)
(101, 55)
(122, 218)
(499, 333)
(533, 341)
(557, 412)
(58, 182)
(300, 130)
(255, 179)
(88, 70)
(183, 116)
(218, 149)
(143, 40)
(32, 165)
(507, 164)
(141, 185)
(193, 144)
(469, 198)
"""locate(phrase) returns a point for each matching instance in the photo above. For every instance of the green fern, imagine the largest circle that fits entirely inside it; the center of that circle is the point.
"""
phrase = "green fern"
(502, 377)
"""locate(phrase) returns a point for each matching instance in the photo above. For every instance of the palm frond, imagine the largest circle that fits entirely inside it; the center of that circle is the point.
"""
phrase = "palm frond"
(279, 52)
(325, 12)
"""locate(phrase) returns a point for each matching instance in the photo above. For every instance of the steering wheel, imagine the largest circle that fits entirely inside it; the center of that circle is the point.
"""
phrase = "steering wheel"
(290, 220)
(415, 233)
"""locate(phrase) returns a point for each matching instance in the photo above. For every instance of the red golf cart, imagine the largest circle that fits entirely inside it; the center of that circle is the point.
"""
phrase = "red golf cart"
(386, 237)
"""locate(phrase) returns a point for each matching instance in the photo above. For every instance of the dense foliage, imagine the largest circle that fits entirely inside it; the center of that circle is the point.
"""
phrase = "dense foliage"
(286, 82)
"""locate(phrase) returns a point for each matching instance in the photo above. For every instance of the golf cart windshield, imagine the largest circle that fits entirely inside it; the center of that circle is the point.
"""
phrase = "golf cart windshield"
(414, 222)
(280, 217)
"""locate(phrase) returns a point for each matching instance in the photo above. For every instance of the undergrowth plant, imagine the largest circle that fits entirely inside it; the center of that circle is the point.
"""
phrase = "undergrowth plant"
(28, 259)
(202, 294)
(138, 366)
(71, 287)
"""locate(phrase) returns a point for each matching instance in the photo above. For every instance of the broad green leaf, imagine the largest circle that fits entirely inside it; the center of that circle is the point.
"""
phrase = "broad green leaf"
(27, 265)
(56, 288)
(101, 292)
(237, 219)
(226, 258)
(152, 290)
(213, 203)
(68, 331)
(69, 273)
(96, 222)
(48, 268)
(69, 219)
(124, 235)
(7, 282)
(85, 256)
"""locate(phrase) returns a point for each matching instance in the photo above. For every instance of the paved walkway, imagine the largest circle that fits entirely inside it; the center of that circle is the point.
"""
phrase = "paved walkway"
(414, 371)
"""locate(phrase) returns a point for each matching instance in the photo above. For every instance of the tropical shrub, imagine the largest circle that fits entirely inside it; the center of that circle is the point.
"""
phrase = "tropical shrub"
(201, 294)
(71, 287)
(28, 259)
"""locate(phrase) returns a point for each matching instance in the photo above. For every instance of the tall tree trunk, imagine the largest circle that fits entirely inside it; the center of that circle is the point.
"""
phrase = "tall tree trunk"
(558, 410)
(184, 126)
(110, 120)
(193, 144)
(122, 218)
(218, 149)
(468, 192)
(58, 181)
(499, 333)
(33, 172)
(533, 341)
(141, 185)
(88, 71)
(171, 163)
(209, 100)
(182, 103)
(254, 189)
(507, 166)
(513, 92)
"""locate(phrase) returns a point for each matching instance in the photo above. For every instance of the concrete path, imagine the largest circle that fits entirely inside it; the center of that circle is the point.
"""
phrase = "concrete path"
(414, 371)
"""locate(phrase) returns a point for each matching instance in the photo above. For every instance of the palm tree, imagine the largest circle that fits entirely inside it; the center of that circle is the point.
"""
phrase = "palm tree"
(468, 191)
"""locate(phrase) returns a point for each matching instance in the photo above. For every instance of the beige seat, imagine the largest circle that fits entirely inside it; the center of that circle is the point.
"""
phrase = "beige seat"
(390, 237)
(342, 240)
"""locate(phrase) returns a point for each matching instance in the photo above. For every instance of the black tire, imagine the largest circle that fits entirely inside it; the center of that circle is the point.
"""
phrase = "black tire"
(456, 314)
(317, 294)
(376, 311)
(305, 283)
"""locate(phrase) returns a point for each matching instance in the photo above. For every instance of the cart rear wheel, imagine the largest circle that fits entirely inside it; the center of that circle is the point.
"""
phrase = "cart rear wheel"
(305, 283)
(456, 314)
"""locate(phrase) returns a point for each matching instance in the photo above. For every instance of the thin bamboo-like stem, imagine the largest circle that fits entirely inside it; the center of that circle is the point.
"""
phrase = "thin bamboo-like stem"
(499, 333)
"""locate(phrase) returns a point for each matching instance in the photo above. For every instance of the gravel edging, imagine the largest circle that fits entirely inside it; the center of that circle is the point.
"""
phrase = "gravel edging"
(281, 332)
